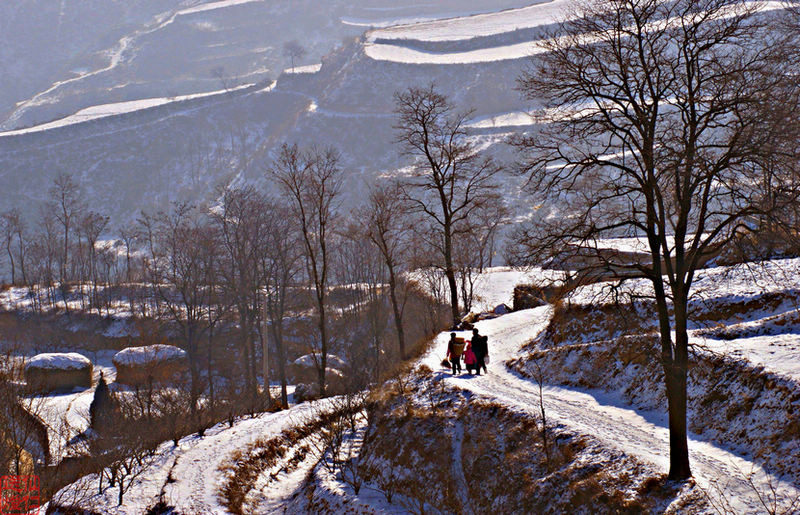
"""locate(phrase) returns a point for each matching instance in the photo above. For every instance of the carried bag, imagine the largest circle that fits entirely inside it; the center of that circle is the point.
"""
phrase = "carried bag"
(446, 363)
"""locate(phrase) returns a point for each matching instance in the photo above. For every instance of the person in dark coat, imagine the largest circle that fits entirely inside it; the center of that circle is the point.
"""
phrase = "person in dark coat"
(454, 350)
(480, 346)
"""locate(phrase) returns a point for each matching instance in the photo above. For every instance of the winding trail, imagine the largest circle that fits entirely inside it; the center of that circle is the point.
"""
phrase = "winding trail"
(198, 473)
(458, 467)
(641, 434)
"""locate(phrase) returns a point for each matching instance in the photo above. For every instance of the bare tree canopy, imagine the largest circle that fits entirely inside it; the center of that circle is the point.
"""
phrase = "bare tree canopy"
(388, 226)
(312, 179)
(661, 122)
(451, 180)
(294, 50)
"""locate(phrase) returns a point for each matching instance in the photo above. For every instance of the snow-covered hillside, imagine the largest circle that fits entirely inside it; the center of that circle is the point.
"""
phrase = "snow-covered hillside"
(61, 57)
(121, 142)
(615, 430)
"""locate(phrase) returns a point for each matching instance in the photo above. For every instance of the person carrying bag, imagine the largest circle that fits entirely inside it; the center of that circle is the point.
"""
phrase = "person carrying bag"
(455, 348)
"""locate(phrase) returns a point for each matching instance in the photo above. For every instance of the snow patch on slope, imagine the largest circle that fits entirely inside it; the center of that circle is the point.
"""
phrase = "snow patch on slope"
(462, 28)
(116, 108)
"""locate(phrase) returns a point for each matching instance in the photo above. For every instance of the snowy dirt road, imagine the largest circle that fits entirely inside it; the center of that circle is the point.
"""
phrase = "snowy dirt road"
(604, 416)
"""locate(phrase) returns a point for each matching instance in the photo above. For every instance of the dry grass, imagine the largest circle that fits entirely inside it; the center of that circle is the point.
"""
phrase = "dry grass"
(246, 465)
(730, 402)
(503, 460)
(724, 310)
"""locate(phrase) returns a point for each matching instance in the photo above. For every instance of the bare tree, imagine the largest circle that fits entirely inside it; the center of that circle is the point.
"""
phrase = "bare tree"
(92, 225)
(360, 269)
(243, 229)
(12, 226)
(475, 247)
(293, 50)
(450, 181)
(658, 116)
(388, 227)
(46, 251)
(313, 181)
(67, 205)
(181, 270)
(128, 236)
(280, 264)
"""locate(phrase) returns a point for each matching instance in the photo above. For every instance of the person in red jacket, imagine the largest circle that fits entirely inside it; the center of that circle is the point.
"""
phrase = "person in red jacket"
(470, 360)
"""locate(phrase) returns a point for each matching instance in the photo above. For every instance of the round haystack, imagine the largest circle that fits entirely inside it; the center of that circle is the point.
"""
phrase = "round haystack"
(157, 363)
(58, 371)
(304, 370)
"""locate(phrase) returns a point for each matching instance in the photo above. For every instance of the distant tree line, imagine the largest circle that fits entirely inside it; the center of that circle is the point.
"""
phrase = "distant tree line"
(253, 264)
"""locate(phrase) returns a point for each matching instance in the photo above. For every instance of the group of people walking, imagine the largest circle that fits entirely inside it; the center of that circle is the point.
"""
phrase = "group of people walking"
(475, 353)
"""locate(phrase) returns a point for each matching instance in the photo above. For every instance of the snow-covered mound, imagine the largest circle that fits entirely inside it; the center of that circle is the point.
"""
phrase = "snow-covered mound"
(334, 361)
(141, 365)
(58, 371)
(59, 361)
(148, 355)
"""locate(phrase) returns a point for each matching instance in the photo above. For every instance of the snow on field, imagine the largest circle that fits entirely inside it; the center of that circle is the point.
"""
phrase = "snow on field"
(402, 54)
(515, 119)
(59, 361)
(188, 476)
(467, 27)
(496, 285)
(604, 416)
(117, 108)
(776, 353)
(309, 68)
(737, 282)
(634, 243)
(210, 6)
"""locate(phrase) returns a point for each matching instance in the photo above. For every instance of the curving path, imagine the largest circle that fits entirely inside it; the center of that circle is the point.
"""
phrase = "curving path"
(641, 434)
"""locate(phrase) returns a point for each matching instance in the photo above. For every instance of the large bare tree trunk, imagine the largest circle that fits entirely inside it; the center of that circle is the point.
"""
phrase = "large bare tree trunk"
(676, 375)
(265, 361)
(398, 315)
(323, 332)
